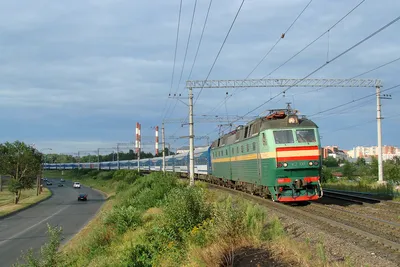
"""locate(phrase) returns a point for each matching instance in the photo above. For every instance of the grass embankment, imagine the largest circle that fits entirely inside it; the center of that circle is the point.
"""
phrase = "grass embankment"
(158, 220)
(28, 198)
(365, 186)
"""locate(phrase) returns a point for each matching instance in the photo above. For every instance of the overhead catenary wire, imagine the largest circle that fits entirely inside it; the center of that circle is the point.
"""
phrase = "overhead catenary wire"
(361, 124)
(358, 75)
(346, 109)
(334, 25)
(353, 101)
(201, 38)
(184, 58)
(198, 46)
(220, 49)
(219, 52)
(308, 45)
(316, 39)
(176, 49)
(326, 63)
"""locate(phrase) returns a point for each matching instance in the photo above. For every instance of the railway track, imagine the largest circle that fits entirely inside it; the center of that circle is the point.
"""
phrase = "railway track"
(371, 233)
(360, 200)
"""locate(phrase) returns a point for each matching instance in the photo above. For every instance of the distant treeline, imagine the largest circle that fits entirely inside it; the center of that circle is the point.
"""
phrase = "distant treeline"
(63, 158)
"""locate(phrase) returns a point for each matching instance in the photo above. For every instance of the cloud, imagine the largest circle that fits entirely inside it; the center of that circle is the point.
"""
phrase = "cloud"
(89, 70)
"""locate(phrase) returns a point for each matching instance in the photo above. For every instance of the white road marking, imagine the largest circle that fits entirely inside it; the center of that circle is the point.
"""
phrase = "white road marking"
(33, 226)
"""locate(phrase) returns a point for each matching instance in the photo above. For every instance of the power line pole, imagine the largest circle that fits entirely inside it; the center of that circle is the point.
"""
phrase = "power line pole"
(163, 147)
(191, 137)
(379, 128)
(251, 83)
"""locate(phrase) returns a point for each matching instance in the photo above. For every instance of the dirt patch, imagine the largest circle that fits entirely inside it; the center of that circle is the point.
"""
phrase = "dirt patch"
(251, 257)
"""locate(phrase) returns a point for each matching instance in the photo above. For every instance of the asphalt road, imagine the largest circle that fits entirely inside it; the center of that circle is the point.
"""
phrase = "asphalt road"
(27, 229)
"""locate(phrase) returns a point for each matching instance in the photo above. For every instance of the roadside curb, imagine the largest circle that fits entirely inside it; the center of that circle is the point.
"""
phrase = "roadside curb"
(104, 194)
(27, 207)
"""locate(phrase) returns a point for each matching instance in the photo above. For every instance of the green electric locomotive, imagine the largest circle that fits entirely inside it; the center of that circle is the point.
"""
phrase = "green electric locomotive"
(275, 156)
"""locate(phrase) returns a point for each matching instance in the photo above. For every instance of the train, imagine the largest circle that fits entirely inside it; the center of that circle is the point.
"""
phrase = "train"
(277, 156)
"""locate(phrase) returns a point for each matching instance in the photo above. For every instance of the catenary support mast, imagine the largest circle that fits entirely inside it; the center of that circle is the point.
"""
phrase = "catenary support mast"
(251, 83)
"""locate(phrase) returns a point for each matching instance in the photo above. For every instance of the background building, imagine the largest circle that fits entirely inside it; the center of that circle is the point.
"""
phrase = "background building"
(334, 152)
(388, 152)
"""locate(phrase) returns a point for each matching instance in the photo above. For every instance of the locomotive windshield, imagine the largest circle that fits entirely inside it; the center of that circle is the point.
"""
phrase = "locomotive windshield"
(305, 135)
(283, 137)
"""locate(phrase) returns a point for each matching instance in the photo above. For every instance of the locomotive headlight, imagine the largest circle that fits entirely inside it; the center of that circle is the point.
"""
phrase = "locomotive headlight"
(293, 119)
(310, 163)
(285, 164)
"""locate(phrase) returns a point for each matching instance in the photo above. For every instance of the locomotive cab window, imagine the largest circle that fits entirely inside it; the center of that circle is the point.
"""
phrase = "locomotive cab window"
(305, 135)
(283, 137)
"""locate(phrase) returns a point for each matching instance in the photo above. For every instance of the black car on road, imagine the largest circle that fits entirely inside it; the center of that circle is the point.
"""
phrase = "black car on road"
(82, 196)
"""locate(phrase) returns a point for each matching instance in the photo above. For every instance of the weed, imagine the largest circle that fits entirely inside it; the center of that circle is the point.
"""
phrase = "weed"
(273, 230)
(123, 218)
(321, 252)
(49, 255)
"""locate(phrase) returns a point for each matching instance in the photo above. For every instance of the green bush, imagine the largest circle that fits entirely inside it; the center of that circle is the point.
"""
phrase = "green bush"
(185, 208)
(272, 230)
(140, 256)
(123, 218)
(105, 175)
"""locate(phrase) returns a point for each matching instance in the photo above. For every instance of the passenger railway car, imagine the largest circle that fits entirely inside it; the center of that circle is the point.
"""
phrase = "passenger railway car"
(276, 156)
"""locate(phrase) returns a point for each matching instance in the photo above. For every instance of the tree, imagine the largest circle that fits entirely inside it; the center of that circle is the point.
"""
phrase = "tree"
(22, 163)
(327, 175)
(360, 162)
(330, 162)
(348, 170)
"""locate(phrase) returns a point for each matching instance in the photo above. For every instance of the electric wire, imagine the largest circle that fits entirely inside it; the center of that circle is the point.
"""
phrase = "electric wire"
(220, 49)
(176, 48)
(361, 124)
(199, 44)
(353, 101)
(186, 50)
(361, 74)
(222, 45)
(265, 56)
(326, 63)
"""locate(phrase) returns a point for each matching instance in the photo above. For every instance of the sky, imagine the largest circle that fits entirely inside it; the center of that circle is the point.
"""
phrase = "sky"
(78, 75)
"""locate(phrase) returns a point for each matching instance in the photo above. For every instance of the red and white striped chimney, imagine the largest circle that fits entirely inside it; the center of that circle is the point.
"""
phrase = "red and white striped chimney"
(137, 142)
(156, 140)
